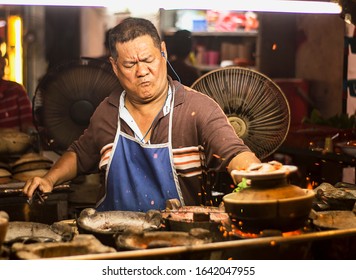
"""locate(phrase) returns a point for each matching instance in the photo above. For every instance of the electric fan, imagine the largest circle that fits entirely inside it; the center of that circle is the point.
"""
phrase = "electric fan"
(67, 96)
(255, 106)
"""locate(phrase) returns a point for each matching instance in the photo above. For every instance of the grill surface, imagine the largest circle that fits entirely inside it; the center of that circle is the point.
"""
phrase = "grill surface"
(329, 244)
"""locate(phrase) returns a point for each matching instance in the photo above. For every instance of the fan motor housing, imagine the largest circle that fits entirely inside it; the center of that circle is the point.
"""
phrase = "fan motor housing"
(238, 124)
(81, 111)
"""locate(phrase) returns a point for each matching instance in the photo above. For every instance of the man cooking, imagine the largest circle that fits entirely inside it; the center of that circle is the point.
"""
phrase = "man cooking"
(156, 140)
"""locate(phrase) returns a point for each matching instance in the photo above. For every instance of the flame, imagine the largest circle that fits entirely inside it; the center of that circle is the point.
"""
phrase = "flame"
(243, 234)
(292, 233)
(310, 184)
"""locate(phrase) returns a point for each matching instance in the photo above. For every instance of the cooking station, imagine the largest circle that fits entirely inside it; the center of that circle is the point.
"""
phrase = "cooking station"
(190, 233)
(329, 244)
(317, 244)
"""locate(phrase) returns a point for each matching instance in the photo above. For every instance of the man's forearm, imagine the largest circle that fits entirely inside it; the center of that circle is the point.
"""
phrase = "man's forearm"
(64, 169)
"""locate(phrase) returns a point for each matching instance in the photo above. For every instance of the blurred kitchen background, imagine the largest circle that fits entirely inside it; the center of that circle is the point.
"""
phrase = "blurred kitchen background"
(309, 55)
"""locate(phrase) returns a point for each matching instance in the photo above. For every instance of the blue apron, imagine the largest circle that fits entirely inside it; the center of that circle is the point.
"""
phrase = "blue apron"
(140, 176)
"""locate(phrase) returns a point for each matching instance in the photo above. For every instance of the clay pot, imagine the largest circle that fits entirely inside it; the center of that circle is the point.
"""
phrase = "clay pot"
(26, 175)
(5, 176)
(269, 204)
(30, 165)
(4, 224)
(14, 142)
(30, 158)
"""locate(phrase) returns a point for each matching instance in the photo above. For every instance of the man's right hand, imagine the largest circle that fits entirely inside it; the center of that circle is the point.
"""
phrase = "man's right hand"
(43, 184)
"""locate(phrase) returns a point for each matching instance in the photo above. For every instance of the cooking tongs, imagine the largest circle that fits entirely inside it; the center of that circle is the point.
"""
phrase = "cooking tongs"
(38, 195)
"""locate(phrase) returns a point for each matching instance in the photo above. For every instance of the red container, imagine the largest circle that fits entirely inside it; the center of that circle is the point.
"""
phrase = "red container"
(297, 94)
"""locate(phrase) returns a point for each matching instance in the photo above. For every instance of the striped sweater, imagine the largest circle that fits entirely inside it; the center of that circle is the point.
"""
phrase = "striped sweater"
(15, 106)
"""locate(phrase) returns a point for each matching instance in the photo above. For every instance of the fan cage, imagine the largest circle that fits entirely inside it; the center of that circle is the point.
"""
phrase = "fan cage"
(254, 100)
(66, 97)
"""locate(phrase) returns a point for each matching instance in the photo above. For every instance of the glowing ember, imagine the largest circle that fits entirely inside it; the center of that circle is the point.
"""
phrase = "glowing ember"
(292, 233)
(243, 234)
(310, 184)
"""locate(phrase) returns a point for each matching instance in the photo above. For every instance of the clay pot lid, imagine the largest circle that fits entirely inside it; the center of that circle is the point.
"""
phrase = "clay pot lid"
(4, 224)
(30, 157)
(24, 176)
(4, 173)
(31, 166)
(264, 171)
(10, 132)
(262, 195)
(14, 138)
(14, 142)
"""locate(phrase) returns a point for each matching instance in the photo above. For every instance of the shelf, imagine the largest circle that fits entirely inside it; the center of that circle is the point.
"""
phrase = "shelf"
(207, 67)
(239, 33)
(242, 42)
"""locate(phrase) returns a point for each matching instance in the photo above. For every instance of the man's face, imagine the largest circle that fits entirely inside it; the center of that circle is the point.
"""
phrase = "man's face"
(141, 69)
